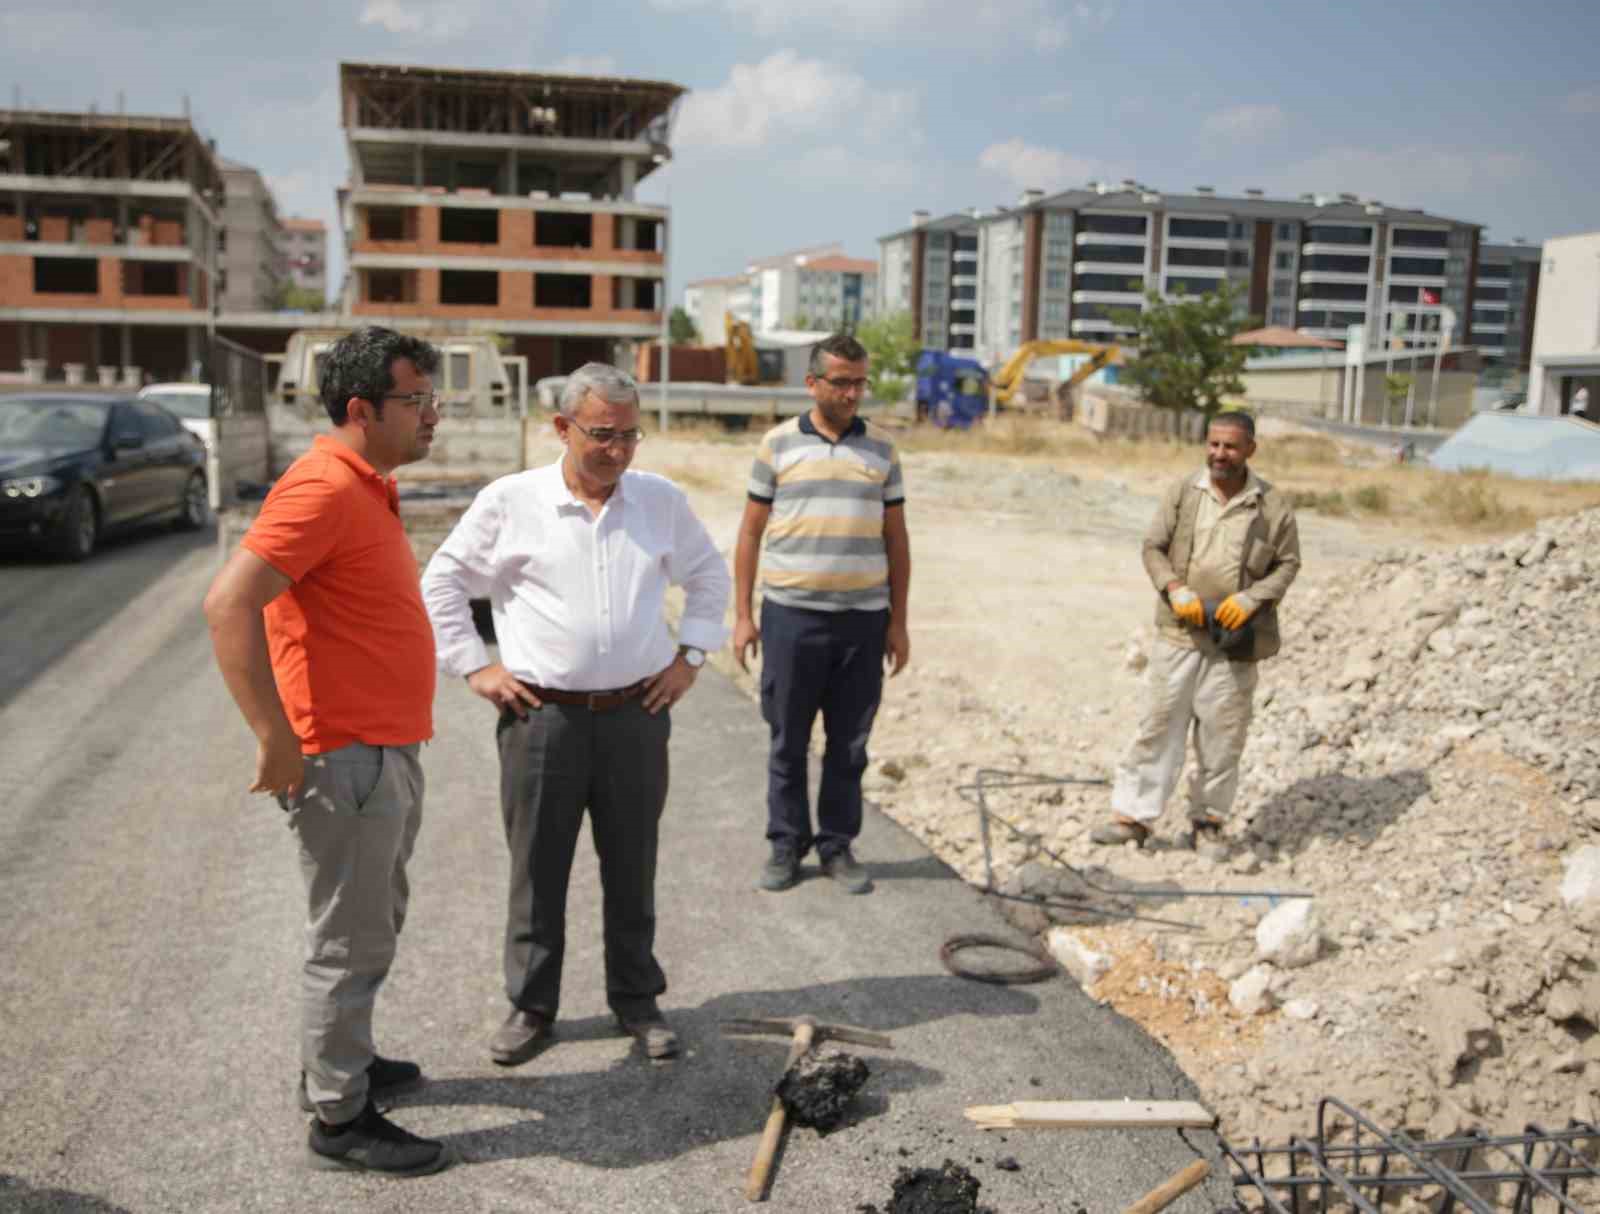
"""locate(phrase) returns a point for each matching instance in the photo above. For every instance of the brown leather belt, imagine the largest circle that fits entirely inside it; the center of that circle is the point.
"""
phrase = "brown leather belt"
(594, 701)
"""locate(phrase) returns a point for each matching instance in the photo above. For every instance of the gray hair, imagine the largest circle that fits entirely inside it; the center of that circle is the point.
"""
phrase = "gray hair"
(602, 379)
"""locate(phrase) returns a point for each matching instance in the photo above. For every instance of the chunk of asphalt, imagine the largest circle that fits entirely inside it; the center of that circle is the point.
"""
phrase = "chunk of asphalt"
(817, 1089)
(950, 1189)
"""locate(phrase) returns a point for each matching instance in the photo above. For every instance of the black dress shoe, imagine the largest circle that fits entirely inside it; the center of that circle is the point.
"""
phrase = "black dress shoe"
(522, 1036)
(652, 1032)
(386, 1078)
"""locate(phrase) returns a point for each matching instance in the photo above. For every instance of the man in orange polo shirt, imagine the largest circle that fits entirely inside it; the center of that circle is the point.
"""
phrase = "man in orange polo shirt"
(320, 634)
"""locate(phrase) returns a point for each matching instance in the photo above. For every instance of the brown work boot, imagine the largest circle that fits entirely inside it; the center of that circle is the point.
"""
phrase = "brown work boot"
(522, 1036)
(1119, 831)
(1205, 832)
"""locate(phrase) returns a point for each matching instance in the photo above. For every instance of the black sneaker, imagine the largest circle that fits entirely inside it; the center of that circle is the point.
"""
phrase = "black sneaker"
(782, 868)
(373, 1143)
(386, 1079)
(844, 869)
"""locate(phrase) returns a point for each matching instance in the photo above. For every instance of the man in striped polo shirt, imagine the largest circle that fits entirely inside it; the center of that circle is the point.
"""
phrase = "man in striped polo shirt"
(826, 493)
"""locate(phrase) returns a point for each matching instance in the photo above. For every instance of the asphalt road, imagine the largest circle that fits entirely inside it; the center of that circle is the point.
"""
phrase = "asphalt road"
(150, 934)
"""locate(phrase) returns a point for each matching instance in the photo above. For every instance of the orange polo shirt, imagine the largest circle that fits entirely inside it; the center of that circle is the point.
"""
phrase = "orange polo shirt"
(352, 649)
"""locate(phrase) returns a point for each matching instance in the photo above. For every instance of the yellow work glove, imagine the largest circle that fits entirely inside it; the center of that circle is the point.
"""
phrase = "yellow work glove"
(1186, 605)
(1234, 610)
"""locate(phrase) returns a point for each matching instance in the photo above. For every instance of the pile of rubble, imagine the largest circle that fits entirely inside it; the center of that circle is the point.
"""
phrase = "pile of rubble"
(1425, 763)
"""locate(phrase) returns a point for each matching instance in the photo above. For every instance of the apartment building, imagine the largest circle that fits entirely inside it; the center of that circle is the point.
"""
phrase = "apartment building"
(254, 255)
(814, 288)
(1564, 378)
(506, 202)
(306, 244)
(1077, 263)
(108, 232)
(1504, 299)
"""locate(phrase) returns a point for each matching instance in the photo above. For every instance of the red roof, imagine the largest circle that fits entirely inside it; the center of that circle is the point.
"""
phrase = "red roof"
(847, 265)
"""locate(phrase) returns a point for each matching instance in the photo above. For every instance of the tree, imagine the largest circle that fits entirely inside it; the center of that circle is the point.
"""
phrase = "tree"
(893, 349)
(681, 328)
(1186, 356)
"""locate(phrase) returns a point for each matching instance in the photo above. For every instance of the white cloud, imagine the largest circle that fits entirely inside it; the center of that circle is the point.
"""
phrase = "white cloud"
(786, 96)
(584, 65)
(1421, 175)
(1026, 166)
(1583, 101)
(1047, 24)
(1245, 122)
(425, 18)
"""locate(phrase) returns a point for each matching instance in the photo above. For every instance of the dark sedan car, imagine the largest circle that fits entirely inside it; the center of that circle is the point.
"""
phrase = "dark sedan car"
(73, 467)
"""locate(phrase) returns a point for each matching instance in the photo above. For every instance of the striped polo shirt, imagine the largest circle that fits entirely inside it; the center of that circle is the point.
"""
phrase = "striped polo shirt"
(824, 541)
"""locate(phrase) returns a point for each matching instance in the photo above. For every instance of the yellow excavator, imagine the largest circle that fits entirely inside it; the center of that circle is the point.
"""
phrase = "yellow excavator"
(746, 364)
(1007, 381)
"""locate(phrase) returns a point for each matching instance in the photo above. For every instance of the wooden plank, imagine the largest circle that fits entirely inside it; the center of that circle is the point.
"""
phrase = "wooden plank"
(1091, 1115)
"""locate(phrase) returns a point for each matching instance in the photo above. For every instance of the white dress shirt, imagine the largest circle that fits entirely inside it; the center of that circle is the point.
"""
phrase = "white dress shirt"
(578, 598)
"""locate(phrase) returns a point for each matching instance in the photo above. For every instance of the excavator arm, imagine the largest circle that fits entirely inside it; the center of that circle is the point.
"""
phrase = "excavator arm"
(1008, 378)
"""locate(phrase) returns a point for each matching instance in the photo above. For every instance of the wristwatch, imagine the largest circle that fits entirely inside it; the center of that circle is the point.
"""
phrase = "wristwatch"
(692, 658)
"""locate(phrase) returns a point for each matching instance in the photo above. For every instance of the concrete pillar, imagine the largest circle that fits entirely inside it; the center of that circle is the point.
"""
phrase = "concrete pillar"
(416, 165)
(630, 229)
(511, 171)
(127, 345)
(630, 179)
(191, 337)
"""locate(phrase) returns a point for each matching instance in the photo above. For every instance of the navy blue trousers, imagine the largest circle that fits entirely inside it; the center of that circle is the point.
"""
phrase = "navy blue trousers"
(829, 662)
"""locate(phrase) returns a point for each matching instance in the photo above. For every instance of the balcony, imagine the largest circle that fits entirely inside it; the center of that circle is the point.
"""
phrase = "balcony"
(1118, 298)
(1131, 270)
(1314, 276)
(1083, 238)
(1491, 305)
(1480, 326)
(1100, 326)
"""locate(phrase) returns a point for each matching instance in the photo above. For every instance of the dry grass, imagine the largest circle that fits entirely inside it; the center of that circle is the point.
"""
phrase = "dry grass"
(708, 478)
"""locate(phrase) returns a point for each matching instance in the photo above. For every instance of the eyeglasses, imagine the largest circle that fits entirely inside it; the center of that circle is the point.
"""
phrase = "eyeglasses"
(841, 384)
(605, 435)
(422, 400)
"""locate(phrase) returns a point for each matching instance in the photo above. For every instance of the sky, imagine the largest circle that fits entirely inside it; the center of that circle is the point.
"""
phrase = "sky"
(815, 121)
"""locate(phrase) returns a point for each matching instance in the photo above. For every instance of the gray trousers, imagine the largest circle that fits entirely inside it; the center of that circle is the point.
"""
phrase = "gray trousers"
(356, 820)
(562, 760)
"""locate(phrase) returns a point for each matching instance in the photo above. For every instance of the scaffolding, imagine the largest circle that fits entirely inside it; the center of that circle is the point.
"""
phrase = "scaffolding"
(107, 147)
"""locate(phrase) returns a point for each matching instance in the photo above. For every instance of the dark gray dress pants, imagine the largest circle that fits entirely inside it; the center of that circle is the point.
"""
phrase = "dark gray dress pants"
(560, 761)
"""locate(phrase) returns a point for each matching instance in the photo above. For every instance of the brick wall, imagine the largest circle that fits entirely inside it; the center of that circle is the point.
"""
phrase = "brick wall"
(11, 227)
(16, 288)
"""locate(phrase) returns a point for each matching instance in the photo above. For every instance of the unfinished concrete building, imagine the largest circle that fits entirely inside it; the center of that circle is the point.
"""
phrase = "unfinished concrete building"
(505, 202)
(108, 232)
(254, 257)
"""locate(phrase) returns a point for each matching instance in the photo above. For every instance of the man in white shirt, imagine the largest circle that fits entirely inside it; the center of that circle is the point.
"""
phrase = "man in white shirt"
(575, 559)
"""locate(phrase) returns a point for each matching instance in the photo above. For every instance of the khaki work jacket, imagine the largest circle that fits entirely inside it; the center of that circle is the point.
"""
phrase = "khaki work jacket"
(1269, 561)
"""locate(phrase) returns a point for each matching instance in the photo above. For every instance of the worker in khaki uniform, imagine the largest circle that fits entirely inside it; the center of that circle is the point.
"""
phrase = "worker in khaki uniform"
(1221, 552)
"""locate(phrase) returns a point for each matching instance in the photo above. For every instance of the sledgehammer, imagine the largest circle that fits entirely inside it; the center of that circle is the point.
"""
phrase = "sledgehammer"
(805, 1031)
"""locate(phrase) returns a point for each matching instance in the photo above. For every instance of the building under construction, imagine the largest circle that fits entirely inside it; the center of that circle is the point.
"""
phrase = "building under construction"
(505, 202)
(108, 239)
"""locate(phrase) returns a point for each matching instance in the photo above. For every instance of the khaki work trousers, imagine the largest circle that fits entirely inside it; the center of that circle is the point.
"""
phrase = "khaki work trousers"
(356, 820)
(1187, 686)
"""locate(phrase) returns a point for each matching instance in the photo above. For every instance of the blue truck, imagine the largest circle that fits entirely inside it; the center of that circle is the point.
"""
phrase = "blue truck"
(951, 392)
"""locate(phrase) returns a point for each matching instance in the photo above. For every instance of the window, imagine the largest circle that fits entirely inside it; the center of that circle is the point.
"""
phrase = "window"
(1200, 229)
(1416, 265)
(1128, 283)
(151, 278)
(1055, 310)
(559, 230)
(66, 275)
(1334, 263)
(1058, 250)
(1492, 293)
(1197, 257)
(469, 225)
(1115, 225)
(476, 287)
(966, 244)
(391, 286)
(1327, 234)
(1420, 238)
(1283, 261)
(965, 291)
(390, 223)
(1286, 231)
(1352, 292)
(1279, 316)
(1121, 254)
(1237, 230)
(154, 424)
(1055, 280)
(1239, 257)
(1058, 221)
(1283, 288)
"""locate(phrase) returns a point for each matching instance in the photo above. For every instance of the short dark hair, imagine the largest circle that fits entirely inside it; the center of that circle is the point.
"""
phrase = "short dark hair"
(1235, 417)
(841, 345)
(362, 364)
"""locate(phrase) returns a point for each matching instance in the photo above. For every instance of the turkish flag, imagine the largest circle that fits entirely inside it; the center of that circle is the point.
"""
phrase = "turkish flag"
(1429, 297)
